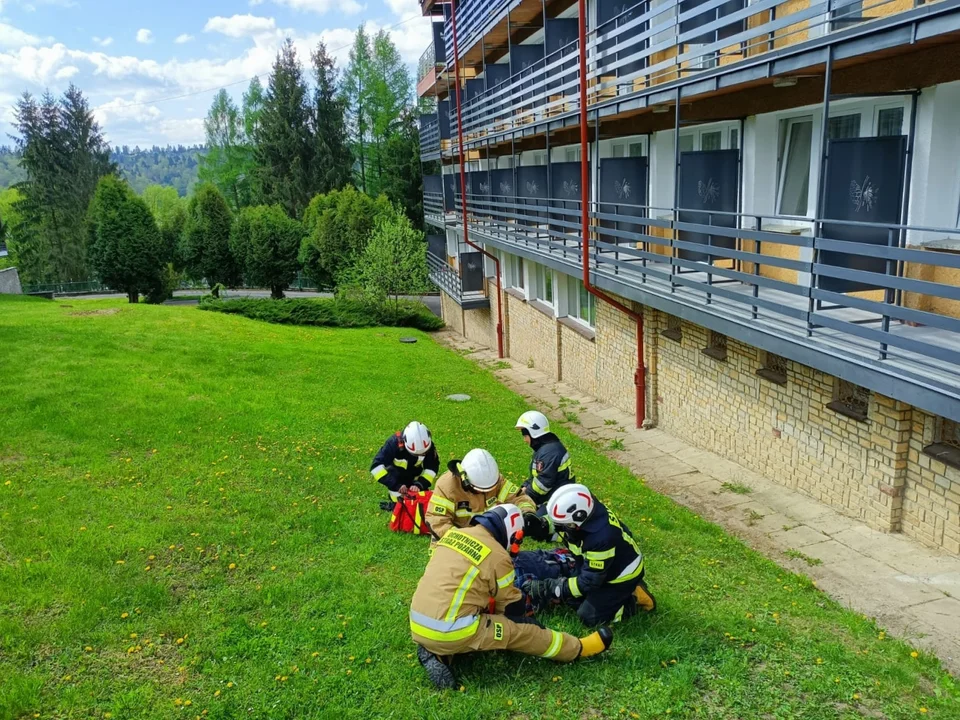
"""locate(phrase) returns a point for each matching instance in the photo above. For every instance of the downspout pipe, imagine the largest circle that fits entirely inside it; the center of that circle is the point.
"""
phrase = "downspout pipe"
(463, 178)
(640, 375)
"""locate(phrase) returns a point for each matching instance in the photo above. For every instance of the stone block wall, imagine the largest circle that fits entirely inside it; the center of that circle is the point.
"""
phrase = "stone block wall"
(578, 360)
(451, 312)
(931, 494)
(533, 336)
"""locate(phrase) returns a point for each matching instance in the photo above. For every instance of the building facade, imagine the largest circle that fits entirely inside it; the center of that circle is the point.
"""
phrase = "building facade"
(771, 197)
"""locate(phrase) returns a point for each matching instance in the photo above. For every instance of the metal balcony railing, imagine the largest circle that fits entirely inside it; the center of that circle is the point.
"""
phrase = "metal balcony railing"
(901, 314)
(429, 136)
(645, 46)
(450, 281)
(427, 62)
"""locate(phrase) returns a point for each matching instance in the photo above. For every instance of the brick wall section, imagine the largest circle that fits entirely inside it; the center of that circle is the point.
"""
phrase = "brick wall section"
(578, 360)
(533, 336)
(931, 496)
(616, 355)
(481, 325)
(451, 312)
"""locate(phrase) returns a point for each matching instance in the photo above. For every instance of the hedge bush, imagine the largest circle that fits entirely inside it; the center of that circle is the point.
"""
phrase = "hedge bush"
(326, 312)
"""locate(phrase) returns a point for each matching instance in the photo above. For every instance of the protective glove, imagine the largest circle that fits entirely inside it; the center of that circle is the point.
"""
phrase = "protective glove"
(536, 527)
(543, 592)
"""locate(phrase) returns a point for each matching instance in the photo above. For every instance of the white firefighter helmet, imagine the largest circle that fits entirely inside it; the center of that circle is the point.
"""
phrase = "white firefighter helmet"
(534, 422)
(479, 470)
(416, 438)
(570, 505)
(512, 519)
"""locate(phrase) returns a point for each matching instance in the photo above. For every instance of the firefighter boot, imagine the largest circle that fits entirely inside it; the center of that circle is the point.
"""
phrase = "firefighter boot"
(595, 643)
(438, 672)
(645, 599)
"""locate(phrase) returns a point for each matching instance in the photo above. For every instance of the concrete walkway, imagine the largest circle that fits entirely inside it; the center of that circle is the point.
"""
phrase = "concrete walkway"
(910, 589)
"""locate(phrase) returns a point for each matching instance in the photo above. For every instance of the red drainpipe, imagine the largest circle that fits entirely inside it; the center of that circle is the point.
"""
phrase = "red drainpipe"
(640, 376)
(463, 178)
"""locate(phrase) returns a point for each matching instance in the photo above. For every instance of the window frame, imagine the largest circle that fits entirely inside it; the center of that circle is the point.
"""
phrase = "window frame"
(788, 123)
(723, 128)
(573, 309)
(541, 273)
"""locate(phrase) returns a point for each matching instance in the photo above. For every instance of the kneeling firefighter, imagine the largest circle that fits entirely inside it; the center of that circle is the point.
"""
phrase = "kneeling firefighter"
(605, 581)
(466, 601)
(550, 467)
(470, 487)
(407, 460)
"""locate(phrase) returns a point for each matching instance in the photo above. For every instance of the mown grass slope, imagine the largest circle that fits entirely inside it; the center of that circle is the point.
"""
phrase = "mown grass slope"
(188, 528)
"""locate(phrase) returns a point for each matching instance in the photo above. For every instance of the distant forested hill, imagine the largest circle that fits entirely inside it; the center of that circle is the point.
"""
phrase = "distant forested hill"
(175, 166)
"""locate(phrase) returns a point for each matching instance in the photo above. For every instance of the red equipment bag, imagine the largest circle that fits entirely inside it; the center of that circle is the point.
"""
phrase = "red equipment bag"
(409, 514)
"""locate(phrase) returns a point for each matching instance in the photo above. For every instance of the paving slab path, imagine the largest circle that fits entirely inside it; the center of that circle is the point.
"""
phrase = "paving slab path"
(912, 590)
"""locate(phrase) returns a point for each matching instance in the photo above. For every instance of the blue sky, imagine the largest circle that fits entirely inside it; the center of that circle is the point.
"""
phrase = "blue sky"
(130, 56)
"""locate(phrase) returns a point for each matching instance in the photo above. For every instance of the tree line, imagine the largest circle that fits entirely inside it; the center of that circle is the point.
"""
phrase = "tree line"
(310, 169)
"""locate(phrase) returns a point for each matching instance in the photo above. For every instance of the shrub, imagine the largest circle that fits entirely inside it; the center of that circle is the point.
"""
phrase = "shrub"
(265, 242)
(395, 260)
(324, 312)
(168, 280)
(206, 239)
(125, 245)
(338, 227)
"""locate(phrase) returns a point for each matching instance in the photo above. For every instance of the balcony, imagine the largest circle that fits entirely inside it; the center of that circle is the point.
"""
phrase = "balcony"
(461, 276)
(637, 57)
(876, 303)
(432, 60)
(439, 196)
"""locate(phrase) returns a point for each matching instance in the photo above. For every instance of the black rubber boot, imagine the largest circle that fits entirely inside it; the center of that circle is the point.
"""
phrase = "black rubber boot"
(388, 505)
(438, 671)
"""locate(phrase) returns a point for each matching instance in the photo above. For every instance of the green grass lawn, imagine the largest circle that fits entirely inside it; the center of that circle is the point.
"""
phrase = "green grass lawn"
(188, 529)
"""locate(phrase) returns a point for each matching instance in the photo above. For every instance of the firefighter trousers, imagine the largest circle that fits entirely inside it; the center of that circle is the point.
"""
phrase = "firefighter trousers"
(498, 632)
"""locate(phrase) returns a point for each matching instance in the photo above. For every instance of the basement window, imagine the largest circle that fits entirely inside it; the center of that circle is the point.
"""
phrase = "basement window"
(673, 330)
(946, 445)
(774, 369)
(717, 349)
(850, 400)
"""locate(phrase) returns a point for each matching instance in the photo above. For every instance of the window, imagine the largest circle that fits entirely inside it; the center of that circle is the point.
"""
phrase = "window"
(581, 305)
(572, 154)
(774, 369)
(946, 442)
(711, 140)
(890, 121)
(513, 269)
(544, 284)
(795, 167)
(844, 126)
(734, 138)
(686, 143)
(850, 400)
(674, 331)
(717, 349)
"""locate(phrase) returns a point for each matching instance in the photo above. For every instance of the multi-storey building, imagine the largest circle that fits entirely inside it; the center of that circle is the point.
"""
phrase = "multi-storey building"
(771, 191)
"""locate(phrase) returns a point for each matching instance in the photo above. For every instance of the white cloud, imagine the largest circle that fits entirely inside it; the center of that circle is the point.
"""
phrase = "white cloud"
(13, 38)
(126, 109)
(66, 72)
(239, 26)
(184, 38)
(144, 36)
(349, 7)
(103, 42)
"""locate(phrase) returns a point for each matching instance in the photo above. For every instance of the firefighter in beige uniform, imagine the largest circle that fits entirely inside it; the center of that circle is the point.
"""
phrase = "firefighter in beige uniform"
(466, 601)
(471, 486)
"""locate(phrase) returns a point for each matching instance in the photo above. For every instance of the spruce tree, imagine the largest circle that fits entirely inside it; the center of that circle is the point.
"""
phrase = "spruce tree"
(332, 160)
(284, 144)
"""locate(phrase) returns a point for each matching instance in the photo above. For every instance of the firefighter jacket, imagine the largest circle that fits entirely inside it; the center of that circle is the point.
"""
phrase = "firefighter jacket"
(469, 573)
(452, 505)
(549, 469)
(605, 550)
(395, 466)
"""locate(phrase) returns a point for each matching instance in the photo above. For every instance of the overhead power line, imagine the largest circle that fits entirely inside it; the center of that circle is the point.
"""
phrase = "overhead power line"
(245, 80)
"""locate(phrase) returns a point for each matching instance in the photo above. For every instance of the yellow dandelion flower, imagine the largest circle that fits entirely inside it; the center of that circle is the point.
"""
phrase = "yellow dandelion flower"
(510, 703)
(923, 711)
(368, 661)
(121, 562)
(82, 528)
(108, 715)
(133, 636)
(147, 568)
(178, 702)
(187, 703)
(217, 694)
(232, 566)
(283, 678)
(349, 672)
(263, 624)
(179, 641)
(856, 696)
(819, 661)
(462, 688)
(881, 636)
(914, 654)
(124, 616)
(229, 684)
